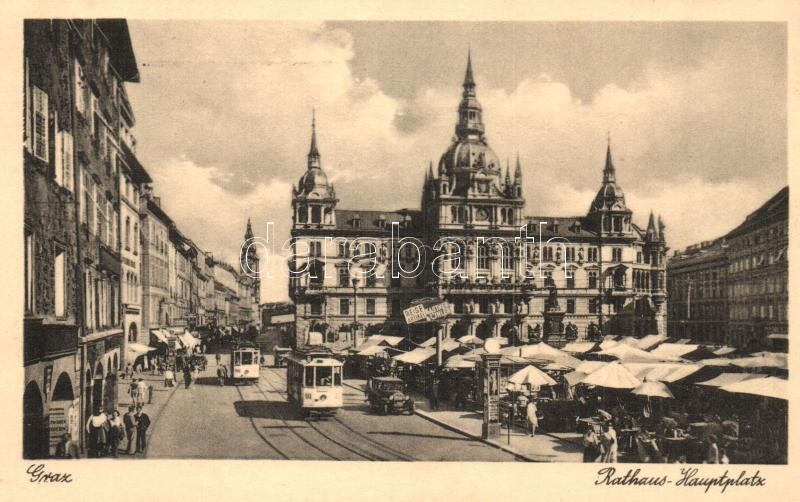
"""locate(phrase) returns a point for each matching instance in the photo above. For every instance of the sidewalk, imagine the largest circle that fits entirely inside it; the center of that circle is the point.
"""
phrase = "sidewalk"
(160, 398)
(544, 447)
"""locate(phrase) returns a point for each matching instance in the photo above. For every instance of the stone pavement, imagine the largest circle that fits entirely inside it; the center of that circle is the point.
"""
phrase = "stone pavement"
(544, 447)
(159, 399)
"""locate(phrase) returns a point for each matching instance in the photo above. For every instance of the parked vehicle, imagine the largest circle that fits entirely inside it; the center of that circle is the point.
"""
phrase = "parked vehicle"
(388, 395)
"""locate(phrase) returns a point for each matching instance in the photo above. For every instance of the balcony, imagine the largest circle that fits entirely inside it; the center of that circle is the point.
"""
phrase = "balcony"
(48, 341)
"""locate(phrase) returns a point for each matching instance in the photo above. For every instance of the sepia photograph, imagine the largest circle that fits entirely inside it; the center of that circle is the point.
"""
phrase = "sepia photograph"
(436, 241)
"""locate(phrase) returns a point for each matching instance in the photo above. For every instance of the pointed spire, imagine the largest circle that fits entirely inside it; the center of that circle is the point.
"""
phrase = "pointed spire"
(651, 233)
(430, 170)
(313, 153)
(518, 169)
(469, 82)
(661, 227)
(609, 173)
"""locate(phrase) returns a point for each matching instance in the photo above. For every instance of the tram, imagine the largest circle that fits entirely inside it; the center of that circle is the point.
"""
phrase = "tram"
(245, 365)
(314, 381)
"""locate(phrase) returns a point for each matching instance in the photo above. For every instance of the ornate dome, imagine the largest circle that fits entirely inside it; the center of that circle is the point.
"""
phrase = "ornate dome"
(314, 183)
(469, 154)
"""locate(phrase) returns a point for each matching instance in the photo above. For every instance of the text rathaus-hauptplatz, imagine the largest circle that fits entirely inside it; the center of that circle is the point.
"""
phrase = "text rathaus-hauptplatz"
(108, 274)
(583, 277)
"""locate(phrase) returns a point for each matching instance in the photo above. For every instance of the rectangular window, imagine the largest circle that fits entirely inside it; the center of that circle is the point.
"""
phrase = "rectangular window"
(616, 255)
(592, 305)
(593, 254)
(570, 254)
(483, 256)
(41, 145)
(30, 257)
(64, 154)
(316, 307)
(344, 277)
(508, 305)
(315, 248)
(571, 306)
(571, 280)
(80, 89)
(370, 306)
(547, 253)
(344, 306)
(371, 280)
(59, 285)
(508, 258)
(483, 306)
(639, 257)
(344, 250)
(458, 306)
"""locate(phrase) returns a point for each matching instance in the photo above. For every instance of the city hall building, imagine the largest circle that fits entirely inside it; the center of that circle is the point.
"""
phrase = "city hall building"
(597, 273)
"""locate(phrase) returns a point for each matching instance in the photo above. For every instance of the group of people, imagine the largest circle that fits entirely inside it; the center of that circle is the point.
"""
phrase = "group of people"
(140, 392)
(106, 431)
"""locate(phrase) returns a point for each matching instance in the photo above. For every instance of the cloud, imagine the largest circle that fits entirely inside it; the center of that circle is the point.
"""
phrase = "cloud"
(223, 122)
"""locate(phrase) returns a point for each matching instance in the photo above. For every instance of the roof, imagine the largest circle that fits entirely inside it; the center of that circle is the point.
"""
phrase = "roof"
(562, 226)
(378, 221)
(121, 48)
(138, 171)
(776, 207)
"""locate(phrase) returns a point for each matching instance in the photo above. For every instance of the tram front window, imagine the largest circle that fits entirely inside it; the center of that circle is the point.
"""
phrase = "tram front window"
(237, 358)
(247, 358)
(324, 376)
(310, 376)
(337, 375)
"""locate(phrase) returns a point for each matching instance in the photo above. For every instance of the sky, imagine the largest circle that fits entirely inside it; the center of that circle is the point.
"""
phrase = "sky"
(696, 114)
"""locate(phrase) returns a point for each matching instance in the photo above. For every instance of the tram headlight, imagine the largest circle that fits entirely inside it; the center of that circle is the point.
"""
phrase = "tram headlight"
(323, 397)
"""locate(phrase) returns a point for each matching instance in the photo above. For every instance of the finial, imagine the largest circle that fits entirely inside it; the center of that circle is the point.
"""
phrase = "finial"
(313, 152)
(468, 80)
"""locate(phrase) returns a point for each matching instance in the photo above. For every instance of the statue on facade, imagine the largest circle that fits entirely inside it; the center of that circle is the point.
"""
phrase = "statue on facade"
(552, 299)
(580, 255)
(535, 333)
(572, 332)
(593, 332)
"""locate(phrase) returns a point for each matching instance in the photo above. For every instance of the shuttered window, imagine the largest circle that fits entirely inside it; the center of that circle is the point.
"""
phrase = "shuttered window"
(64, 157)
(80, 89)
(40, 133)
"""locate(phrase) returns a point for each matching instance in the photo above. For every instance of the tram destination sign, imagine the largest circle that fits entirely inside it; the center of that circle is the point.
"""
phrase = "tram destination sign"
(426, 311)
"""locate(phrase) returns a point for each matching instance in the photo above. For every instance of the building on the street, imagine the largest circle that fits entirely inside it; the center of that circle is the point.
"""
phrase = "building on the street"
(180, 277)
(609, 272)
(698, 306)
(155, 262)
(734, 290)
(75, 115)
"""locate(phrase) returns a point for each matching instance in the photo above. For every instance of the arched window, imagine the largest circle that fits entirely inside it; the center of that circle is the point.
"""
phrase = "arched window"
(483, 256)
(135, 237)
(127, 233)
(316, 214)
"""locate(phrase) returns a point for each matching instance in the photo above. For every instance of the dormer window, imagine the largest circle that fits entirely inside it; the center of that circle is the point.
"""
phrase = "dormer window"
(577, 227)
(381, 221)
(356, 221)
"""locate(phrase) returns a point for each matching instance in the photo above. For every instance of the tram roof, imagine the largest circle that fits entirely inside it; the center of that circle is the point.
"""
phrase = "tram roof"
(311, 360)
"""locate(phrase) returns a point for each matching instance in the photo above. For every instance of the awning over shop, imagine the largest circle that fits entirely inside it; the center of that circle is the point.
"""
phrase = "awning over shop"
(188, 341)
(160, 336)
(372, 350)
(416, 356)
(673, 350)
(458, 362)
(723, 351)
(614, 376)
(579, 347)
(777, 388)
(626, 353)
(650, 341)
(727, 379)
(470, 340)
(138, 348)
(763, 360)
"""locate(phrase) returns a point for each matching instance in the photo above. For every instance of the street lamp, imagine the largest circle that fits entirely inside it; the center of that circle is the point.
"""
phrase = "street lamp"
(355, 309)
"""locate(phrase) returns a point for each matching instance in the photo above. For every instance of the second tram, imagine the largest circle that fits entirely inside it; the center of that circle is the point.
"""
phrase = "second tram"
(314, 381)
(245, 365)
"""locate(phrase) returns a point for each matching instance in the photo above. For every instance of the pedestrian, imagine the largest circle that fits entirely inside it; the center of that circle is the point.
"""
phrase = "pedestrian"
(218, 357)
(220, 376)
(143, 388)
(115, 433)
(609, 442)
(133, 390)
(435, 394)
(130, 422)
(712, 456)
(142, 424)
(533, 421)
(591, 445)
(128, 371)
(96, 428)
(187, 376)
(67, 448)
(169, 378)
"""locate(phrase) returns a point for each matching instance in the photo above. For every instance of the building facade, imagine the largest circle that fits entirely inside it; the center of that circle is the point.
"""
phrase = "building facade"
(734, 290)
(608, 273)
(155, 266)
(75, 112)
(698, 299)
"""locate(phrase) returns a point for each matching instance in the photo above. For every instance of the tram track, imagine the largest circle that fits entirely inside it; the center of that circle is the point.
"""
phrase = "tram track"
(260, 434)
(285, 419)
(351, 448)
(385, 450)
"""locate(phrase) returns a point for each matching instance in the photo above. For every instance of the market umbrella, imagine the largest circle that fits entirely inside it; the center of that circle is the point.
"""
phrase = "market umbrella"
(548, 353)
(470, 340)
(774, 387)
(653, 388)
(531, 375)
(614, 376)
(764, 360)
(627, 353)
(458, 362)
